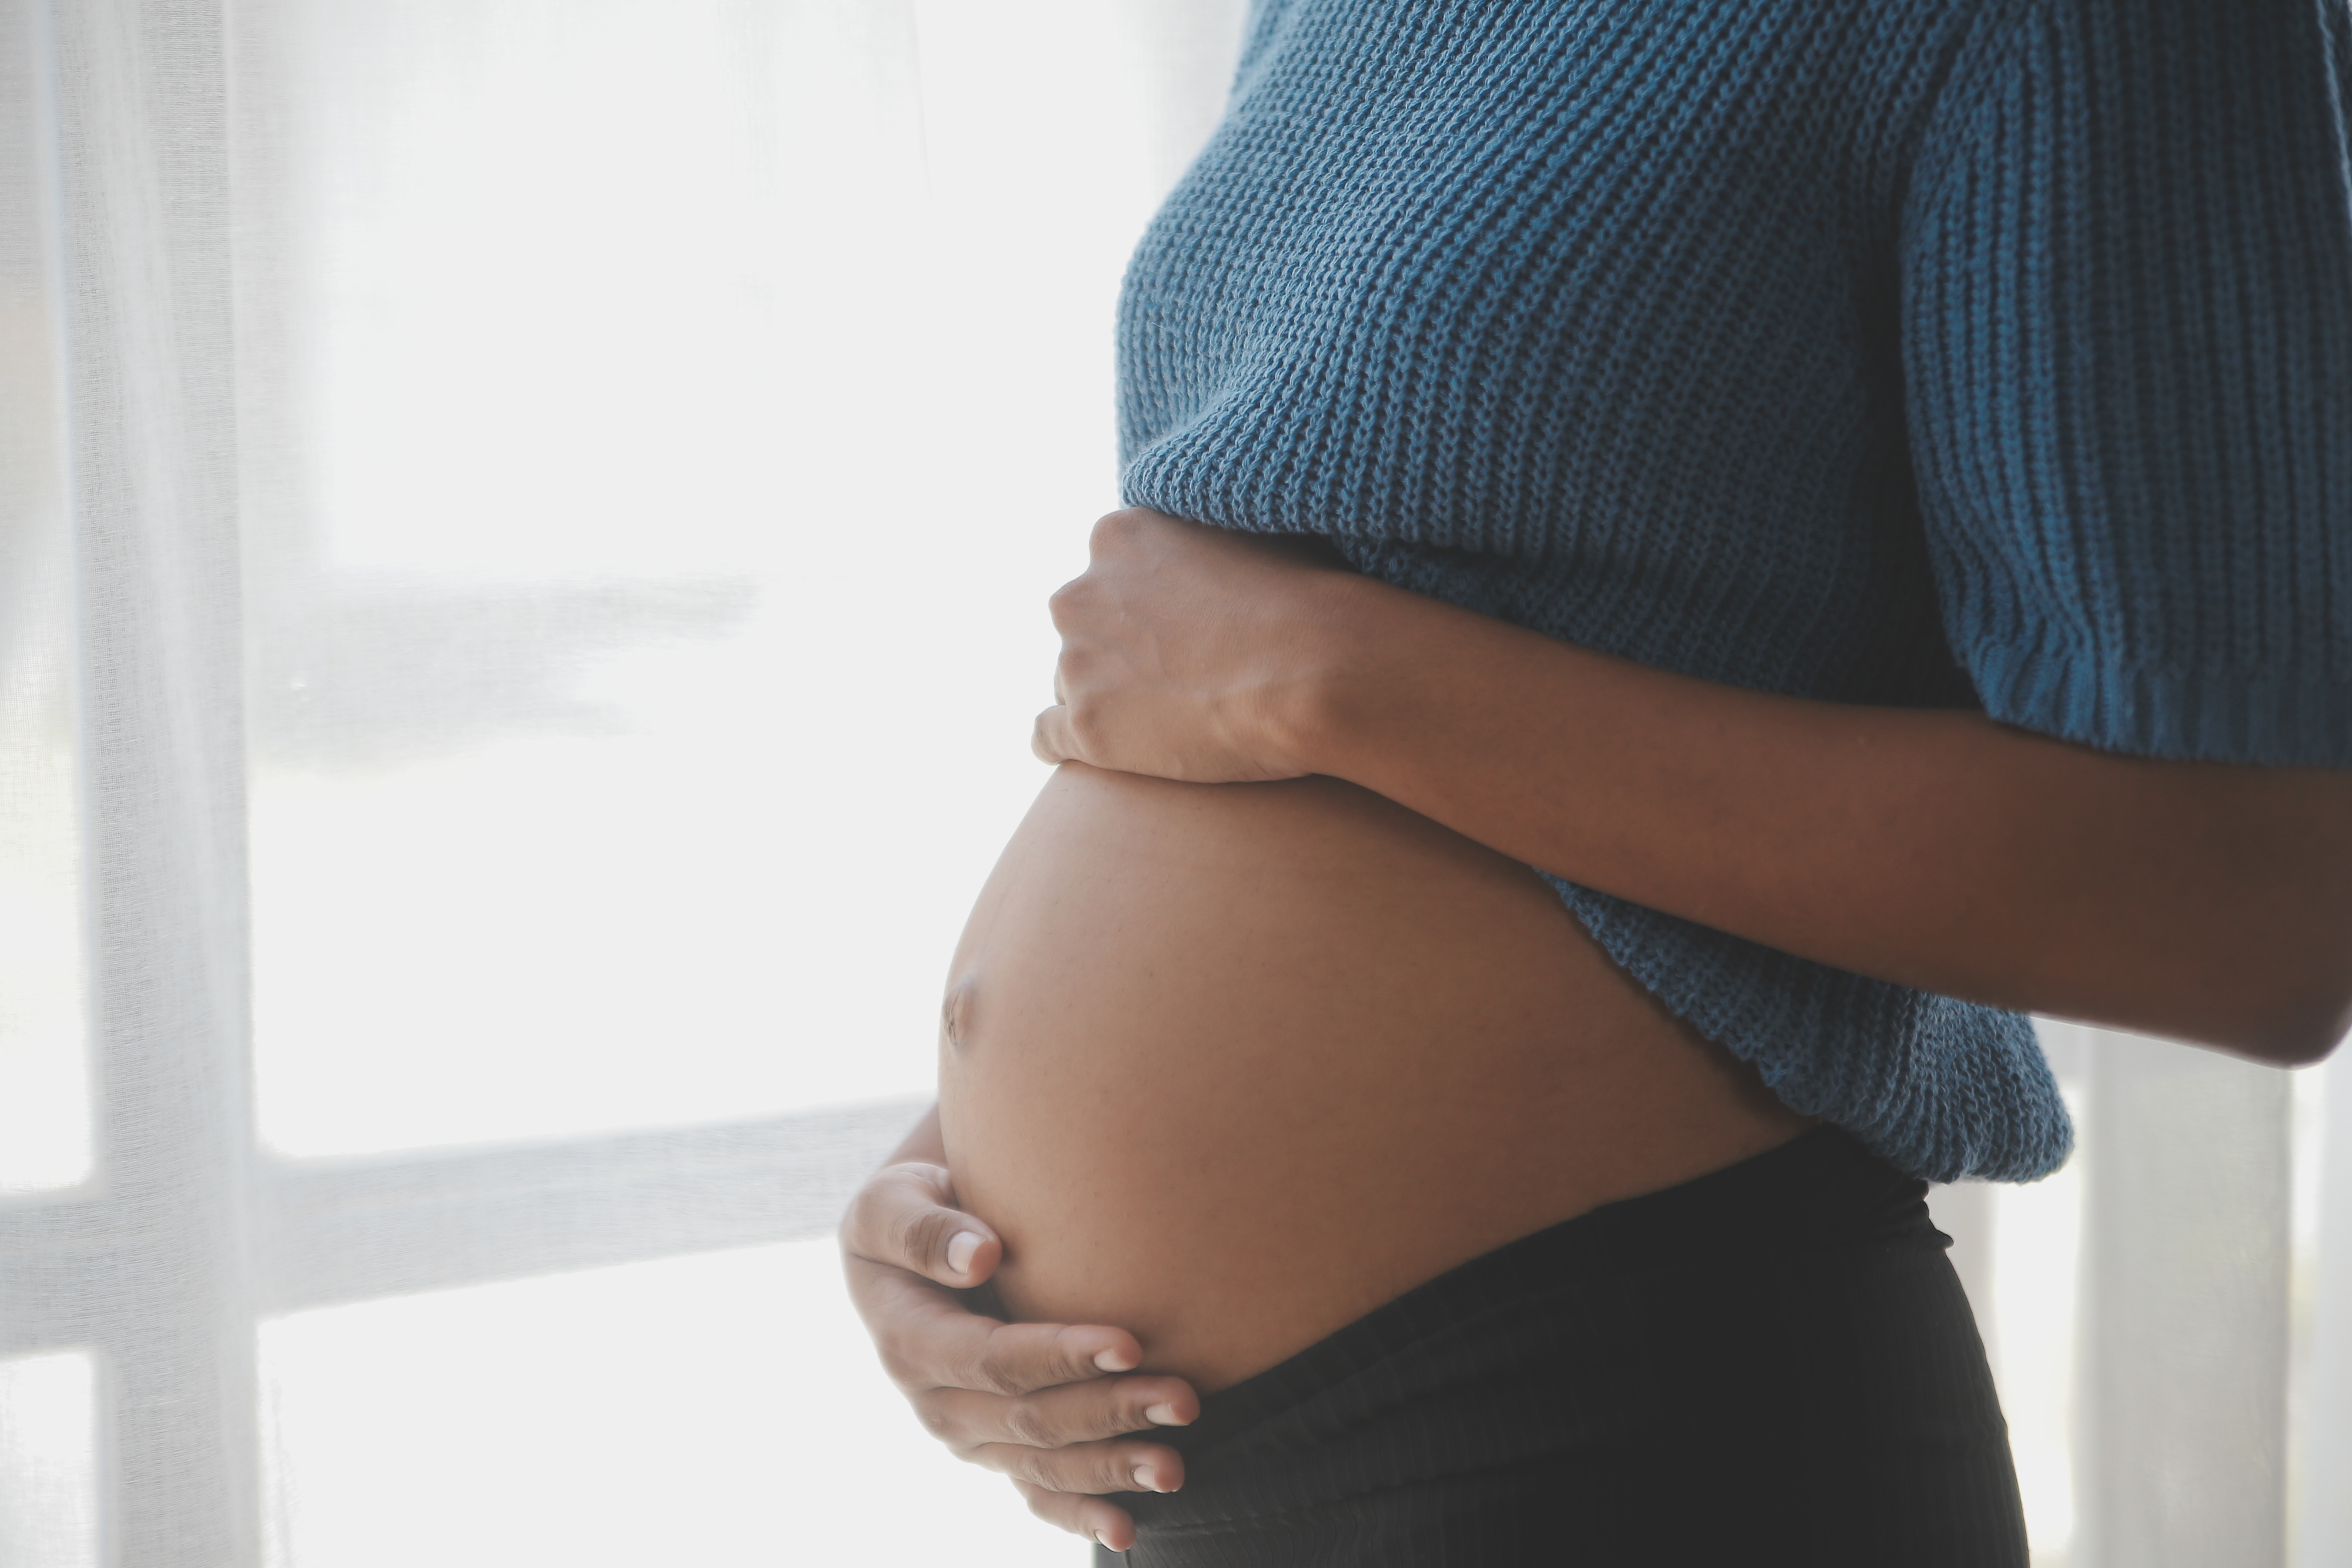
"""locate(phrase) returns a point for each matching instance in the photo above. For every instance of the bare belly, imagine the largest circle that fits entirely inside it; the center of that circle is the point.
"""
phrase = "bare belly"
(1230, 1065)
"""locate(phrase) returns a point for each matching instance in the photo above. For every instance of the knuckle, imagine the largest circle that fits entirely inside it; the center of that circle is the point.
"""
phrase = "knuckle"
(985, 1373)
(882, 1205)
(938, 1419)
(920, 1235)
(1024, 1464)
(994, 1371)
(1024, 1424)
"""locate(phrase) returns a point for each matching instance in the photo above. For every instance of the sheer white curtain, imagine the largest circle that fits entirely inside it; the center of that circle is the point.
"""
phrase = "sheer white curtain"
(523, 526)
(526, 530)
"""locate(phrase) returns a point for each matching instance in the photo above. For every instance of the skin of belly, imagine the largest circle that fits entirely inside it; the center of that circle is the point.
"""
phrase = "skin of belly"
(1230, 1065)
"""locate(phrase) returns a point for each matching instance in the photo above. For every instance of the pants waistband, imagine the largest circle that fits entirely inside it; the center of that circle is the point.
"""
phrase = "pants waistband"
(1821, 1190)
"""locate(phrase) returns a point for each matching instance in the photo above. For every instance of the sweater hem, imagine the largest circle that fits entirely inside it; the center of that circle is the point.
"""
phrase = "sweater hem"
(2202, 716)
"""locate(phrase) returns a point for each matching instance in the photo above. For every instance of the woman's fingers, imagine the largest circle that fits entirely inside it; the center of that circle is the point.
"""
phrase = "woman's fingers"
(1065, 1417)
(930, 1338)
(1050, 739)
(906, 1216)
(1087, 1468)
(1040, 1401)
(1020, 1359)
(1091, 1517)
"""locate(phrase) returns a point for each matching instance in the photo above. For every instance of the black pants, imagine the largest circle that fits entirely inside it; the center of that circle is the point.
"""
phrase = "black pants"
(1770, 1364)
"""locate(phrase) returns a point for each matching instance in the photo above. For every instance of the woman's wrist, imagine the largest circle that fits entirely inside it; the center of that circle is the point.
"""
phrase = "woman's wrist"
(1374, 659)
(1317, 713)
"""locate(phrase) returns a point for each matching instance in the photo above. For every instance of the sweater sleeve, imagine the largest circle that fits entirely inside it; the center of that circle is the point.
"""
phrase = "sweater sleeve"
(2125, 262)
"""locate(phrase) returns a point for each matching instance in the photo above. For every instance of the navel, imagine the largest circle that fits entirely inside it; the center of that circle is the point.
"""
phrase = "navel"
(955, 1013)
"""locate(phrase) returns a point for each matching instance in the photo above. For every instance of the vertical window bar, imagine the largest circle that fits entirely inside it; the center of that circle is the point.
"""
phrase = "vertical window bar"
(2184, 1336)
(45, 1138)
(143, 123)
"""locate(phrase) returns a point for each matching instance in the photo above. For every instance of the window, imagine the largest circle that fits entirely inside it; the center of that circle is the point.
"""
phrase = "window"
(513, 511)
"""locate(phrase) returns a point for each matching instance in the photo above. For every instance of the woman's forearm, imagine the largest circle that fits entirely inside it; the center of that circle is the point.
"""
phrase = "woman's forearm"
(2204, 902)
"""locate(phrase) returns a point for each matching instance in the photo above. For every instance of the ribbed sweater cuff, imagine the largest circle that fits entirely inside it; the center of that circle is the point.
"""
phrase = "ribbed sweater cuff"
(2281, 720)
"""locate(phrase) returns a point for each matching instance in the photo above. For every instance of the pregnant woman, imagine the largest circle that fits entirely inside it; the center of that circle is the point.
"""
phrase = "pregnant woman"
(1686, 565)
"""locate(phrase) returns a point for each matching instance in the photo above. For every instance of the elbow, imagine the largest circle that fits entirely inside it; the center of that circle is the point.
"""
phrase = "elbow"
(2267, 1004)
(2282, 968)
(2299, 1029)
(2310, 1045)
(2250, 913)
(2295, 1047)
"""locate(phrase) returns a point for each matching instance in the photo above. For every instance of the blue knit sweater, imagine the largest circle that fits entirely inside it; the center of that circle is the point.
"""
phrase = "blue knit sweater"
(1927, 352)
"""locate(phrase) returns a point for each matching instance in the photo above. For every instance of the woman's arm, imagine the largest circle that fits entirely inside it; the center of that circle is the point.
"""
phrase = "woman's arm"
(2204, 902)
(1041, 1402)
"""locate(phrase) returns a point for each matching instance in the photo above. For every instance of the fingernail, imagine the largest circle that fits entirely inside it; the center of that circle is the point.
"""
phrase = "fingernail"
(1143, 1481)
(1163, 1414)
(1113, 1361)
(961, 1249)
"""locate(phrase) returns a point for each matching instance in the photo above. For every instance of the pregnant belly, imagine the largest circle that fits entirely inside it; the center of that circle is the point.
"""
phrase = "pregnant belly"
(1230, 1065)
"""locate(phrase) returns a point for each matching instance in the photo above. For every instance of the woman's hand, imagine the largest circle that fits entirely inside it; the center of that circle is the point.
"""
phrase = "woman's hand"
(1189, 652)
(1041, 1402)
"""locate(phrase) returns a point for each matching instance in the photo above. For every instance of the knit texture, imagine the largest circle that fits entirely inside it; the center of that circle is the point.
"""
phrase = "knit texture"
(1924, 352)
